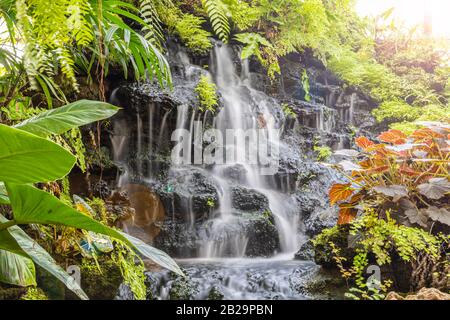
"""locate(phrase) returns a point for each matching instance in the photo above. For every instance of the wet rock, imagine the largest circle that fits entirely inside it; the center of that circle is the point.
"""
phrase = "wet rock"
(306, 251)
(248, 200)
(235, 173)
(124, 293)
(215, 294)
(320, 220)
(325, 284)
(177, 240)
(189, 192)
(183, 289)
(263, 239)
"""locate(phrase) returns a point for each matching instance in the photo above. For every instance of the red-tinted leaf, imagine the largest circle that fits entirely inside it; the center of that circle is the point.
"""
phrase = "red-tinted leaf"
(372, 163)
(346, 214)
(340, 192)
(425, 134)
(393, 136)
(378, 170)
(407, 170)
(363, 142)
(356, 198)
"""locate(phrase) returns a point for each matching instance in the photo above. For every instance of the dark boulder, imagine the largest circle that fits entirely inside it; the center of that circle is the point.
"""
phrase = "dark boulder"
(249, 200)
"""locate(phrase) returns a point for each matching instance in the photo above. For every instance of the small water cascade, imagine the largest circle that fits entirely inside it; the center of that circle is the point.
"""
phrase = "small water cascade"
(240, 114)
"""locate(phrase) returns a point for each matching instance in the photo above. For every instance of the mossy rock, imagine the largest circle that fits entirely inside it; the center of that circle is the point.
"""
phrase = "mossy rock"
(34, 294)
(327, 284)
(323, 252)
(8, 292)
(183, 289)
(215, 294)
(99, 284)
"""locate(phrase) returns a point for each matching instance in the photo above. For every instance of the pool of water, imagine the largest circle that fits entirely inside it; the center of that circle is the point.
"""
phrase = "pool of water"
(279, 277)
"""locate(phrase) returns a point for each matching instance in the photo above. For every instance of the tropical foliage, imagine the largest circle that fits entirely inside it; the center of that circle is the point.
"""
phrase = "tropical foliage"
(26, 158)
(407, 172)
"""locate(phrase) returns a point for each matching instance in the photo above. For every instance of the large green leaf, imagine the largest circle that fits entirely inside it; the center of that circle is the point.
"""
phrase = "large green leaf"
(26, 245)
(3, 194)
(32, 205)
(8, 243)
(26, 158)
(16, 270)
(73, 115)
(154, 254)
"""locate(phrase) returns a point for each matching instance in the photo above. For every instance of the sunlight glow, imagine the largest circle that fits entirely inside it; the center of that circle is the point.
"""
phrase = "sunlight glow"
(412, 12)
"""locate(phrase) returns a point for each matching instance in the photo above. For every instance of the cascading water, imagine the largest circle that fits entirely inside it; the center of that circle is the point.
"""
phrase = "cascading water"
(224, 239)
(242, 108)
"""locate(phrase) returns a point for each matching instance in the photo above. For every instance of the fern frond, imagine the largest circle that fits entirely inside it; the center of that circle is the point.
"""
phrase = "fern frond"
(153, 30)
(77, 22)
(218, 16)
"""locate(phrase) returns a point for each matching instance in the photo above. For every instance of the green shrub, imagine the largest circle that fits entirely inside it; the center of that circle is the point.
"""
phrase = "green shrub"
(323, 152)
(207, 96)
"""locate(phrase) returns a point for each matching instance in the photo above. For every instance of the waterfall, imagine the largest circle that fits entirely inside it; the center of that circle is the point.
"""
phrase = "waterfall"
(351, 110)
(239, 113)
(227, 230)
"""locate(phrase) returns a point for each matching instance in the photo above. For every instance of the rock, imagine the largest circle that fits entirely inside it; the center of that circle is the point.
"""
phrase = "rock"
(236, 173)
(263, 239)
(423, 294)
(101, 189)
(249, 200)
(321, 220)
(8, 292)
(177, 240)
(98, 284)
(118, 206)
(189, 192)
(215, 294)
(324, 284)
(149, 212)
(183, 289)
(124, 293)
(306, 251)
(394, 296)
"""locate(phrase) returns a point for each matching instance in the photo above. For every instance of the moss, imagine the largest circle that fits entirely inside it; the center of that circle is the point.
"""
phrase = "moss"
(100, 284)
(99, 157)
(188, 27)
(182, 289)
(34, 294)
(11, 293)
(215, 294)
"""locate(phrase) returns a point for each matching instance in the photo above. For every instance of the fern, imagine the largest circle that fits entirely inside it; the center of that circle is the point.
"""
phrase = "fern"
(252, 42)
(218, 15)
(45, 29)
(262, 49)
(77, 22)
(187, 26)
(152, 29)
